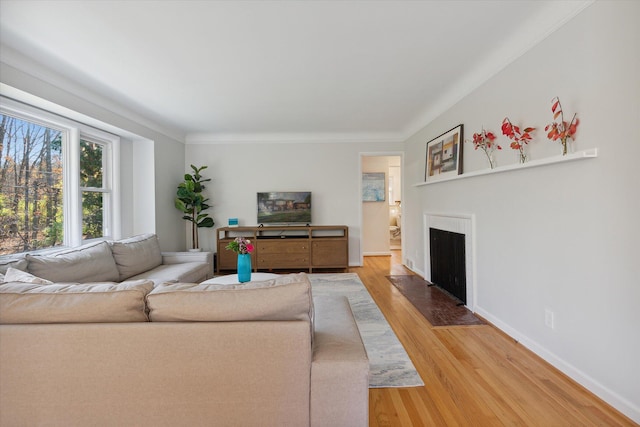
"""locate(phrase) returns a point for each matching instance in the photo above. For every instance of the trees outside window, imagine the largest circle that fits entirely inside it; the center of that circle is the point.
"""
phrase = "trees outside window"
(31, 214)
(93, 189)
(46, 201)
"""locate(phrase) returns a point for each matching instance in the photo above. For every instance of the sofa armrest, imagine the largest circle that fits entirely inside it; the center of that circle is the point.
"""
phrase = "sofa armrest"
(182, 257)
(339, 367)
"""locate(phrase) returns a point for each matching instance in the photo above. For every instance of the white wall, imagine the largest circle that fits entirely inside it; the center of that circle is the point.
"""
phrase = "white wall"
(562, 237)
(329, 170)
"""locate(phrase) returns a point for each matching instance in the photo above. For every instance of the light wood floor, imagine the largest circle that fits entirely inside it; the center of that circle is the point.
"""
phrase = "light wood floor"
(473, 375)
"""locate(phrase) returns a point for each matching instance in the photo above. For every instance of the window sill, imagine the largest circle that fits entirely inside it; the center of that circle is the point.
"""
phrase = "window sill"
(580, 155)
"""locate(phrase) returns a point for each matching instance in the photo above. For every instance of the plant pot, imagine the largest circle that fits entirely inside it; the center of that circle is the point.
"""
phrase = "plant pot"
(195, 250)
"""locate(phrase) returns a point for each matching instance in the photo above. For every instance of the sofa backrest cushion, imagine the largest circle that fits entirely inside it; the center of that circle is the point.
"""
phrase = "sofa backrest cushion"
(89, 263)
(285, 298)
(17, 263)
(74, 302)
(136, 255)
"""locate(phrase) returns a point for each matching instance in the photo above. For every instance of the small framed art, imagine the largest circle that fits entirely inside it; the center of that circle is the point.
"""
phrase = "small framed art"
(444, 155)
(373, 189)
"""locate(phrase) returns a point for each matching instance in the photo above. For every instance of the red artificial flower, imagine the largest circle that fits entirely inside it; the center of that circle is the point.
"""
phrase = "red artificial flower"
(484, 140)
(518, 138)
(561, 130)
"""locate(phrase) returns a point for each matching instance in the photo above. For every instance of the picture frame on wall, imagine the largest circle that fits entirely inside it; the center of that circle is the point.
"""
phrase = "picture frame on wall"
(373, 189)
(444, 155)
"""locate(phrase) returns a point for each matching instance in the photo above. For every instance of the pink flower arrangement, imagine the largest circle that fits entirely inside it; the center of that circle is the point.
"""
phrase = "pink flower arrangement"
(240, 245)
(518, 138)
(485, 141)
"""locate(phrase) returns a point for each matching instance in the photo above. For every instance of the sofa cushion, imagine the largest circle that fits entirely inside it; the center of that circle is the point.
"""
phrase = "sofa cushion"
(285, 298)
(89, 263)
(136, 255)
(15, 275)
(17, 263)
(74, 303)
(187, 272)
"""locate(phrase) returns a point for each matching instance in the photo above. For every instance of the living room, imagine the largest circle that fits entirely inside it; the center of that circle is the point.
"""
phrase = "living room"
(558, 238)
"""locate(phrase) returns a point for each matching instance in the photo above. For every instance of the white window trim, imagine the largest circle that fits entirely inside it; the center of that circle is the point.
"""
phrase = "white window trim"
(72, 132)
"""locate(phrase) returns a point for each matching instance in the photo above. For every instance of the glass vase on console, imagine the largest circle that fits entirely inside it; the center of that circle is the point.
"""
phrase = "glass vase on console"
(244, 268)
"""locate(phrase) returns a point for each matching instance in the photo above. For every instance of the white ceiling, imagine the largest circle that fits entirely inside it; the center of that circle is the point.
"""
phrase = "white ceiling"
(234, 70)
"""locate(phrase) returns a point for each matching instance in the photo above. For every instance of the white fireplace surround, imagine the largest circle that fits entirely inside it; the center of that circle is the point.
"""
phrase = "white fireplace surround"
(457, 223)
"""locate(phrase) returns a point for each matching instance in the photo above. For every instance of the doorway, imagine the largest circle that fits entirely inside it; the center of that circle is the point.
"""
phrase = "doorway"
(381, 217)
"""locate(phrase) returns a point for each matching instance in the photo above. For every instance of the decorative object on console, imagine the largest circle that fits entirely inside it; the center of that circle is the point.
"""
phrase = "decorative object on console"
(484, 140)
(444, 155)
(189, 200)
(243, 248)
(518, 138)
(562, 130)
(373, 188)
(233, 222)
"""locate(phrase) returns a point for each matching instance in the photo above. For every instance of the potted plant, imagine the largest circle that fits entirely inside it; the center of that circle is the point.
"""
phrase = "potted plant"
(190, 201)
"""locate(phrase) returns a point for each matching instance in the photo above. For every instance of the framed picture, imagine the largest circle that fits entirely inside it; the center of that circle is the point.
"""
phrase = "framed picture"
(444, 155)
(373, 189)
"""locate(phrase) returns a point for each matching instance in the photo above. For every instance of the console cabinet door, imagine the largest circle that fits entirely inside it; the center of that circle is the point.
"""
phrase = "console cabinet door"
(329, 253)
(227, 260)
(282, 253)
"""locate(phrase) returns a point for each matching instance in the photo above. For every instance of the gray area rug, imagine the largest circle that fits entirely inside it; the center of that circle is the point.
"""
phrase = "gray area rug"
(389, 363)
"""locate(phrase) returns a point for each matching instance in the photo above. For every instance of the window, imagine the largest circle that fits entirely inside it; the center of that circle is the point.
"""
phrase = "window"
(95, 192)
(56, 181)
(31, 189)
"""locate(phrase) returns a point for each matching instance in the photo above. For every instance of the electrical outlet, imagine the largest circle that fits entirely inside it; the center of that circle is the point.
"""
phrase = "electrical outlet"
(548, 318)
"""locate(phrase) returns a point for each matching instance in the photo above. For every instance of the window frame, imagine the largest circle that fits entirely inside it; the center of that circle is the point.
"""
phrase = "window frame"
(72, 132)
(106, 189)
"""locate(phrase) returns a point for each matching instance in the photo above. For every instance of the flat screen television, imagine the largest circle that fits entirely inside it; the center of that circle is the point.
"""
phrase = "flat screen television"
(284, 207)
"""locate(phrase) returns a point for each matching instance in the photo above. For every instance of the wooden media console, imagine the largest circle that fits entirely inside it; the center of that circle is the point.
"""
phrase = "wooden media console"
(287, 247)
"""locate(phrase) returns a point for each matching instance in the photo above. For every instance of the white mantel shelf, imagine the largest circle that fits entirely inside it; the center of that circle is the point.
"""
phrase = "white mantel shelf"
(579, 155)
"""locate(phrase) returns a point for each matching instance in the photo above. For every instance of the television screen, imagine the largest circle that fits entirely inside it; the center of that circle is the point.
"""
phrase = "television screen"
(289, 207)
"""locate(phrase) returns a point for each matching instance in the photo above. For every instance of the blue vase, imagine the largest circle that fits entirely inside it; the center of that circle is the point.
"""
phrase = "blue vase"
(244, 268)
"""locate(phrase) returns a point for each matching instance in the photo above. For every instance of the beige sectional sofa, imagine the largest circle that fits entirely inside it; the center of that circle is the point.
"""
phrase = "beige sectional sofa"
(138, 257)
(171, 354)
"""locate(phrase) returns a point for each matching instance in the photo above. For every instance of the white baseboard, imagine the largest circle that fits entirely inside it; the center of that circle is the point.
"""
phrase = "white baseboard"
(376, 253)
(612, 398)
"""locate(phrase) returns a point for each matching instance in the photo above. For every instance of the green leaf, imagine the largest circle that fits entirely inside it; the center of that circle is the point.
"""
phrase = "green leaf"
(180, 205)
(207, 222)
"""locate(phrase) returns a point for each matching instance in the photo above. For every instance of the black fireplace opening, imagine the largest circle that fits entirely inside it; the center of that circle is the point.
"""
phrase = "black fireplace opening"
(448, 269)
